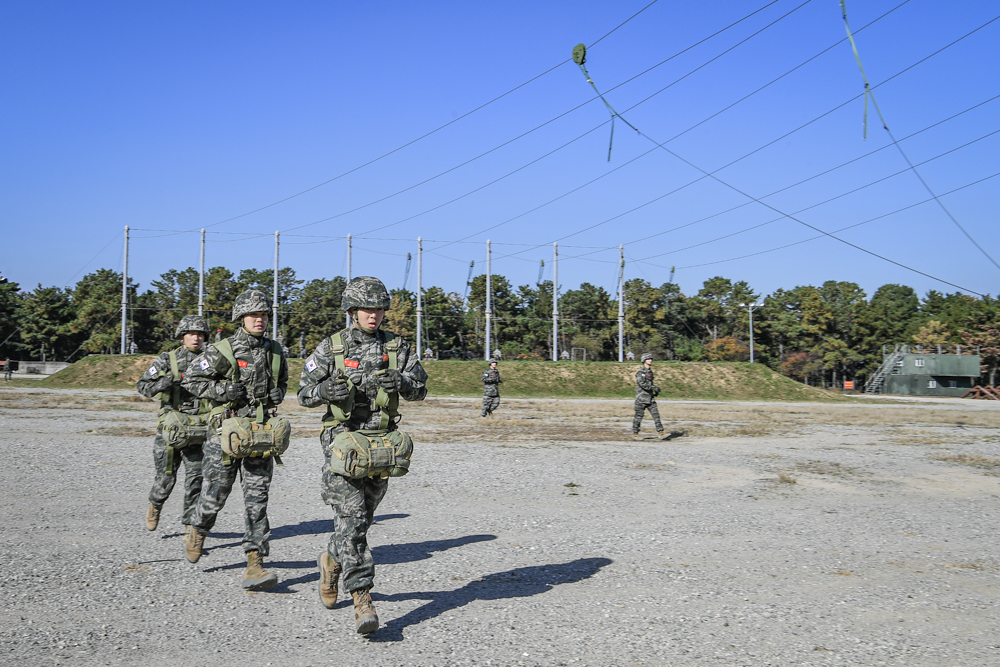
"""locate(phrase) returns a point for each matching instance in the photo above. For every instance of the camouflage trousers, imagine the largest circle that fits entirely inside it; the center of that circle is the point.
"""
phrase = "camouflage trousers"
(163, 483)
(490, 403)
(640, 411)
(353, 502)
(255, 478)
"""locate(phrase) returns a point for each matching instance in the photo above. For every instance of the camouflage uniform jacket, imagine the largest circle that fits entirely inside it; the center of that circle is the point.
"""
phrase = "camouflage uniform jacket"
(491, 383)
(644, 385)
(209, 373)
(161, 367)
(363, 356)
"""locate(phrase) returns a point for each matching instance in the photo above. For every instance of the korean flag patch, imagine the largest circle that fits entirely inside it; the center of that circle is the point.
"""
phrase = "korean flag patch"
(311, 365)
(204, 364)
(152, 370)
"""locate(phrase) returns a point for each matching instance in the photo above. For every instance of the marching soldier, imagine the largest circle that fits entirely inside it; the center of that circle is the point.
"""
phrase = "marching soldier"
(182, 426)
(246, 376)
(645, 397)
(491, 389)
(359, 374)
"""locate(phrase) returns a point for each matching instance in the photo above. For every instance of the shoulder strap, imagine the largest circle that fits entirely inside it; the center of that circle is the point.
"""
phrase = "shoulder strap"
(338, 414)
(386, 402)
(175, 390)
(225, 348)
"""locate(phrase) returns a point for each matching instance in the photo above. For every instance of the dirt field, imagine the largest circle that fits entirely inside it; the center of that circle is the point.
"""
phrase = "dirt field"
(770, 534)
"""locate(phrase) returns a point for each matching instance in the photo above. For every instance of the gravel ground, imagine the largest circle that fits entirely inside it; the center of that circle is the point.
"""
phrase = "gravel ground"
(844, 535)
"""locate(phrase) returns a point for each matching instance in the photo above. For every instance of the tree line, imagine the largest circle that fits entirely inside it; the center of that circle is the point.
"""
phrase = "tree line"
(818, 335)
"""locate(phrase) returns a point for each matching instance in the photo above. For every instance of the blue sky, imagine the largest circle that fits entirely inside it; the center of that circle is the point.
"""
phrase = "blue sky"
(178, 116)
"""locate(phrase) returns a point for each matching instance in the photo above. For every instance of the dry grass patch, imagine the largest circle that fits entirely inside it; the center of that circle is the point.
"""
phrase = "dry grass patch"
(991, 464)
(124, 431)
(785, 478)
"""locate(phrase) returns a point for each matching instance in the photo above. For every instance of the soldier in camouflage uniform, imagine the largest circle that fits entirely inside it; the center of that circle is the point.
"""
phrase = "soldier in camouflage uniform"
(160, 380)
(491, 389)
(354, 500)
(211, 376)
(645, 397)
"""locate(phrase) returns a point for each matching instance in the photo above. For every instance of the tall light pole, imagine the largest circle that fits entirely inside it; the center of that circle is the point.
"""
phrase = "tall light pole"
(750, 307)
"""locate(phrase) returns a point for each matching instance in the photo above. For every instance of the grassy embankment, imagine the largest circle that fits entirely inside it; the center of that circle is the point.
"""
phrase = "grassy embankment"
(521, 379)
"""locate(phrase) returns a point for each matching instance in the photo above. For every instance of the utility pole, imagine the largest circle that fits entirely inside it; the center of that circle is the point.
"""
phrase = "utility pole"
(347, 316)
(125, 291)
(555, 302)
(201, 276)
(750, 307)
(621, 304)
(489, 297)
(274, 302)
(420, 308)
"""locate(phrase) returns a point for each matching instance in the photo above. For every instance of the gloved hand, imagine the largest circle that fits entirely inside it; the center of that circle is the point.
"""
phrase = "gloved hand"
(234, 392)
(276, 396)
(334, 390)
(390, 380)
(656, 390)
(163, 384)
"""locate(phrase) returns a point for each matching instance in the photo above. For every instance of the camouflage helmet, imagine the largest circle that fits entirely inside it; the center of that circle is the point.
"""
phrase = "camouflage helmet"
(250, 301)
(645, 355)
(365, 292)
(191, 323)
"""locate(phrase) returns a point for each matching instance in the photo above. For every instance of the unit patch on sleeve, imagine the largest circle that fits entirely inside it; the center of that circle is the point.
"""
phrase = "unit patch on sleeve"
(204, 364)
(311, 365)
(152, 370)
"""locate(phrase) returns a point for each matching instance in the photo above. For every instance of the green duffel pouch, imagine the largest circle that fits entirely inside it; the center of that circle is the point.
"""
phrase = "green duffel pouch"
(358, 454)
(242, 437)
(180, 430)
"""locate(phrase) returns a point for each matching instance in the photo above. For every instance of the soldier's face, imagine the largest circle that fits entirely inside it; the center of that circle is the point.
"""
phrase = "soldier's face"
(648, 363)
(255, 322)
(193, 340)
(370, 320)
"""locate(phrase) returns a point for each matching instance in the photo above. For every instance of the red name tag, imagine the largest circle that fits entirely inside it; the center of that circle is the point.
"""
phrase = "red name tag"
(385, 357)
(350, 363)
(241, 363)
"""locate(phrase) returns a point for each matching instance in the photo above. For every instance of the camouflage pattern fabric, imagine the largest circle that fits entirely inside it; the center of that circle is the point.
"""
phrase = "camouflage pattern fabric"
(207, 377)
(640, 411)
(354, 500)
(192, 323)
(490, 403)
(157, 374)
(250, 301)
(644, 399)
(364, 357)
(210, 372)
(217, 485)
(365, 292)
(163, 484)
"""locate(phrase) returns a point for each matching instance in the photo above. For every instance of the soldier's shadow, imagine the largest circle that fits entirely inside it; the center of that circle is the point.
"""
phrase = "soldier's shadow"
(517, 583)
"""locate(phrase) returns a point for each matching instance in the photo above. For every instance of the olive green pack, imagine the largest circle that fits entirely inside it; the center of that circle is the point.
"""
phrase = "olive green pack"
(179, 429)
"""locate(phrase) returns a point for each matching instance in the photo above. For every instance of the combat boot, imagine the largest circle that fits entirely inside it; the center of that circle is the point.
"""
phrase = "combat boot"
(661, 434)
(329, 578)
(256, 577)
(364, 611)
(636, 436)
(153, 516)
(194, 542)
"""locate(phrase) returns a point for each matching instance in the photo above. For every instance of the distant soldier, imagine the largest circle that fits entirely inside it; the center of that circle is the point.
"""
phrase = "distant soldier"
(645, 397)
(246, 376)
(564, 355)
(8, 371)
(630, 356)
(182, 426)
(491, 389)
(359, 374)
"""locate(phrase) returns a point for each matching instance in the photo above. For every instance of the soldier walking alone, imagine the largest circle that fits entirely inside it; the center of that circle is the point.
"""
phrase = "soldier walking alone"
(182, 427)
(645, 397)
(246, 376)
(359, 374)
(491, 389)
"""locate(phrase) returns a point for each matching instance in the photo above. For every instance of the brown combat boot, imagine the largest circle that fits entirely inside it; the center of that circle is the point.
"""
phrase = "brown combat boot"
(364, 611)
(661, 434)
(153, 516)
(194, 542)
(256, 577)
(329, 578)
(636, 436)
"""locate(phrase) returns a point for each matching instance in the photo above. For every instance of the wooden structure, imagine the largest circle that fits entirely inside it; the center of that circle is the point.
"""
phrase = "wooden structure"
(983, 393)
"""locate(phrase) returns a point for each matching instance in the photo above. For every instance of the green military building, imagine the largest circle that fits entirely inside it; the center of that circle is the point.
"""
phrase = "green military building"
(910, 371)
